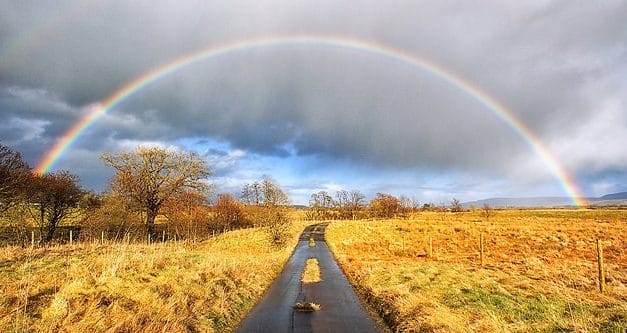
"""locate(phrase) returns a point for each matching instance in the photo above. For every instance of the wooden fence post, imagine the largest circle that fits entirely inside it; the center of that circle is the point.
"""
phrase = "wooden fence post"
(32, 238)
(102, 237)
(70, 236)
(481, 249)
(163, 236)
(600, 263)
(430, 247)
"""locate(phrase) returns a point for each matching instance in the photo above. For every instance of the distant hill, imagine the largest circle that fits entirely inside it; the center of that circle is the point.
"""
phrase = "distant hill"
(521, 202)
(534, 202)
(615, 196)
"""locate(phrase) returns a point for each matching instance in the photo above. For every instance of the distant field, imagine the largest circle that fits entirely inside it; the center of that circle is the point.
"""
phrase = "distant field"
(540, 271)
(169, 287)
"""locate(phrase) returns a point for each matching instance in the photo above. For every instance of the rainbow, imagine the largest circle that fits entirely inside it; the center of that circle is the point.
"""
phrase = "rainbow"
(500, 111)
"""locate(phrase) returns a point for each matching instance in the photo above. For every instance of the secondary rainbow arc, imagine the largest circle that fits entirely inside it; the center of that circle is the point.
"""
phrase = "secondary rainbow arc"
(62, 145)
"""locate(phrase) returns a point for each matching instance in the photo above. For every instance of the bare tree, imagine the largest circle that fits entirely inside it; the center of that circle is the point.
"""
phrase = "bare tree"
(409, 204)
(56, 197)
(273, 194)
(341, 200)
(349, 203)
(150, 176)
(356, 203)
(247, 194)
(256, 193)
(14, 175)
(322, 199)
(320, 206)
(267, 192)
(270, 209)
(456, 206)
(486, 211)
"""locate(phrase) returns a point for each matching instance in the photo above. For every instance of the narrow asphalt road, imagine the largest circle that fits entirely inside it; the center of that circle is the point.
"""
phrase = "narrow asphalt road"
(340, 311)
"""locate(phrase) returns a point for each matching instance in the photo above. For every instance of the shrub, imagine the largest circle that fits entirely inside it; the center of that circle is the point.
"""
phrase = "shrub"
(385, 206)
(276, 222)
(228, 213)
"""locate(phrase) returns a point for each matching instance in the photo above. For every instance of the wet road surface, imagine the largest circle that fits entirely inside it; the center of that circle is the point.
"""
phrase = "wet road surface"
(340, 310)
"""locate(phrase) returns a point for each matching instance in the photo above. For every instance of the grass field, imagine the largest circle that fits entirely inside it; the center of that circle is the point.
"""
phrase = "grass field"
(540, 271)
(169, 287)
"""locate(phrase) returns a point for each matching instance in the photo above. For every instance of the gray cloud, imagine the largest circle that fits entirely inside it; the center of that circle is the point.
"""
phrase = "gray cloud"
(555, 65)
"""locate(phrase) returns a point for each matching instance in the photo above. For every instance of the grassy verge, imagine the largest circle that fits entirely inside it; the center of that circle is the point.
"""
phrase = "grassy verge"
(540, 271)
(170, 287)
(311, 273)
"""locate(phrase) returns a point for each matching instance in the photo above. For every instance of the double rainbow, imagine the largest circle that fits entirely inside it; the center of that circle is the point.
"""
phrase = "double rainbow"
(51, 157)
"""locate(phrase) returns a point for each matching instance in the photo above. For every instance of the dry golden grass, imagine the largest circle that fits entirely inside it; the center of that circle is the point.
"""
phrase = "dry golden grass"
(540, 270)
(163, 287)
(306, 307)
(311, 273)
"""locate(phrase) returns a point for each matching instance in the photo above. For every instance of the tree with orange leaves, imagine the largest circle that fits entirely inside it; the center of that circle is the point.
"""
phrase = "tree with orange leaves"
(150, 176)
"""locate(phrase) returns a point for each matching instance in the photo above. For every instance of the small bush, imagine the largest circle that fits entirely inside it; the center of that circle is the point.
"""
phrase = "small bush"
(229, 213)
(385, 206)
(277, 223)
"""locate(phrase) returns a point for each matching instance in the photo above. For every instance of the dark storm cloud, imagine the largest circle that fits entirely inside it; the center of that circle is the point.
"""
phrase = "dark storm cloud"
(31, 119)
(555, 65)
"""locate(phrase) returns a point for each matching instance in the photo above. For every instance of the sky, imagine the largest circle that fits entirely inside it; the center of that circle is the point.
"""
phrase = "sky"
(329, 118)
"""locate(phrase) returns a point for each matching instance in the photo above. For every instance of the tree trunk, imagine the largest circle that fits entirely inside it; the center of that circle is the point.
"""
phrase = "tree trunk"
(51, 228)
(150, 222)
